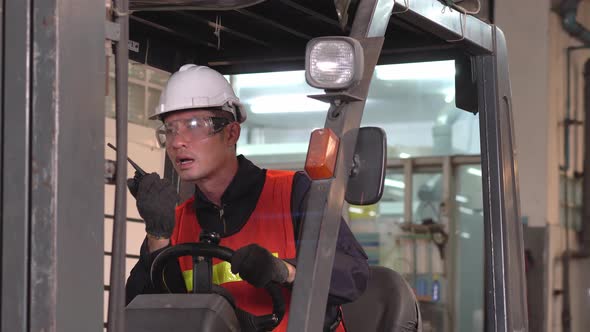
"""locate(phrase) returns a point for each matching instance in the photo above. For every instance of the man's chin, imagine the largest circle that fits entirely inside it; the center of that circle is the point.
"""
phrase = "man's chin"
(188, 177)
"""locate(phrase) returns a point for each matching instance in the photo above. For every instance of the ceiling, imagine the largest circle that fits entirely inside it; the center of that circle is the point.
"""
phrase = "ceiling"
(268, 36)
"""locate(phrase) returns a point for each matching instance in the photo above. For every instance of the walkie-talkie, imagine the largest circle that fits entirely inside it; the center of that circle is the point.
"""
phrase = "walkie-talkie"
(139, 173)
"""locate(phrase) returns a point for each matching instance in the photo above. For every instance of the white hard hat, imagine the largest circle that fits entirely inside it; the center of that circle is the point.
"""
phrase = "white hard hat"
(195, 86)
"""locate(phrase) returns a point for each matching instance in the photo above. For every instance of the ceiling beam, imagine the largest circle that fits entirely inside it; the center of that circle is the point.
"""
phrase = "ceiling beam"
(223, 28)
(311, 12)
(274, 24)
(172, 31)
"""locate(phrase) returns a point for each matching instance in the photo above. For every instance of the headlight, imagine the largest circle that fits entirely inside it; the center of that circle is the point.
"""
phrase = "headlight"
(333, 63)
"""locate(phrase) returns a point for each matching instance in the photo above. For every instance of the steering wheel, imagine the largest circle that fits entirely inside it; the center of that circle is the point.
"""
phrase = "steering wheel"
(201, 249)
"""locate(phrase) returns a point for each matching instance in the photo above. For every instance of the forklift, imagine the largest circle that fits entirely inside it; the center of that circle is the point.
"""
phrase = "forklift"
(52, 145)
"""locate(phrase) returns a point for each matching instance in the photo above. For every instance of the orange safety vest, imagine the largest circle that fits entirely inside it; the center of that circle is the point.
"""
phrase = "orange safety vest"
(269, 226)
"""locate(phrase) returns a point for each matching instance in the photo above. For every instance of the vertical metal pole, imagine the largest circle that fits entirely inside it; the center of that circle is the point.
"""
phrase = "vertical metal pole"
(116, 313)
(584, 235)
(52, 165)
(44, 173)
(505, 296)
(409, 213)
(321, 222)
(15, 142)
(1, 147)
(449, 194)
(64, 189)
(447, 197)
(326, 197)
(408, 190)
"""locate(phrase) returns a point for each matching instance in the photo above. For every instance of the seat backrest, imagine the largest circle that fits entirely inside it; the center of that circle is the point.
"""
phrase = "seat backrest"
(388, 304)
(180, 313)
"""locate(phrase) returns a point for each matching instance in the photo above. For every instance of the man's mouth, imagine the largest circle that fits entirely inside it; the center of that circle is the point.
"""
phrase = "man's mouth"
(184, 162)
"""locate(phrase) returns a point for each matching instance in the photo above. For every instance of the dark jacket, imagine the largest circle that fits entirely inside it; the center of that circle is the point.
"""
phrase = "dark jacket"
(350, 271)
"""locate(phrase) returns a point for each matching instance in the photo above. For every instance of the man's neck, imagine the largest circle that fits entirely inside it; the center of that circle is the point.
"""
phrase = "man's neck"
(214, 187)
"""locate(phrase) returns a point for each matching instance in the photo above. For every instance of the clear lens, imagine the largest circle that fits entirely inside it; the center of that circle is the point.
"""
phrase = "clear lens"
(193, 129)
(332, 63)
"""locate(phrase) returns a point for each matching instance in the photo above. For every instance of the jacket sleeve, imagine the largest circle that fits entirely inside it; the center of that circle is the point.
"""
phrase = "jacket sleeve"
(139, 281)
(351, 269)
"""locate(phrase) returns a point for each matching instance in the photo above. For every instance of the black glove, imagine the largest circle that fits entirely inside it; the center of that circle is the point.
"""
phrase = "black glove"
(258, 266)
(133, 184)
(252, 323)
(156, 202)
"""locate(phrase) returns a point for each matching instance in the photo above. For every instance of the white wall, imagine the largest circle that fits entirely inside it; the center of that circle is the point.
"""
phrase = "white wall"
(526, 26)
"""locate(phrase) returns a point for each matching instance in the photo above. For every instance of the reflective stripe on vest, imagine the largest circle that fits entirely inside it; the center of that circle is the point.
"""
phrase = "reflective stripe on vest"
(221, 275)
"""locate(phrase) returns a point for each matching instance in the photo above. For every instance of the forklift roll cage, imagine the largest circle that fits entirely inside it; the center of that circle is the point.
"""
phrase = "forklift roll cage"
(52, 128)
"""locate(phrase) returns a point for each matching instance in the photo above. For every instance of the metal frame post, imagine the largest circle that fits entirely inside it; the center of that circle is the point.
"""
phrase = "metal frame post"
(1, 137)
(53, 84)
(449, 197)
(505, 296)
(15, 164)
(116, 310)
(321, 223)
(408, 190)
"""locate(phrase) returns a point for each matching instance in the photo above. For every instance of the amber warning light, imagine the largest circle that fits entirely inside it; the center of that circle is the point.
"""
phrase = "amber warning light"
(321, 156)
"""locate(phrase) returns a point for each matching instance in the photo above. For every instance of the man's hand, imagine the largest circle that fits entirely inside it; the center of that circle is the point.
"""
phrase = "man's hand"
(258, 266)
(156, 201)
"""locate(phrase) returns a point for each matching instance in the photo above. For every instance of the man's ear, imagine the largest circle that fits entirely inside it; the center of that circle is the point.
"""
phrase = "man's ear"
(233, 133)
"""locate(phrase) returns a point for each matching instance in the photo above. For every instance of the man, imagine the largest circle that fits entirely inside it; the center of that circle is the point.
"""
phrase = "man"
(257, 212)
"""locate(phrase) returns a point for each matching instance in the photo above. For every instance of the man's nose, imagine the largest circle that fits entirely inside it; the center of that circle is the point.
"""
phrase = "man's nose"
(178, 141)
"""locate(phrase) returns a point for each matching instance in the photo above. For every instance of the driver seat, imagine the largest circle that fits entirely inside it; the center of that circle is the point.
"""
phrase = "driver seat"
(388, 304)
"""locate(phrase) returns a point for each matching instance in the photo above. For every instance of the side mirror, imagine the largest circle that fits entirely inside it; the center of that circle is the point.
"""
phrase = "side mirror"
(367, 175)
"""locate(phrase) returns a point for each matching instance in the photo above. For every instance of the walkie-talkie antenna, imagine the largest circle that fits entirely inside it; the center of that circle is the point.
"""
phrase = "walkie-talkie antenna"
(137, 168)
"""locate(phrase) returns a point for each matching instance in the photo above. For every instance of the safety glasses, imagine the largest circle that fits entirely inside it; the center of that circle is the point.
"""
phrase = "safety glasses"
(192, 129)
